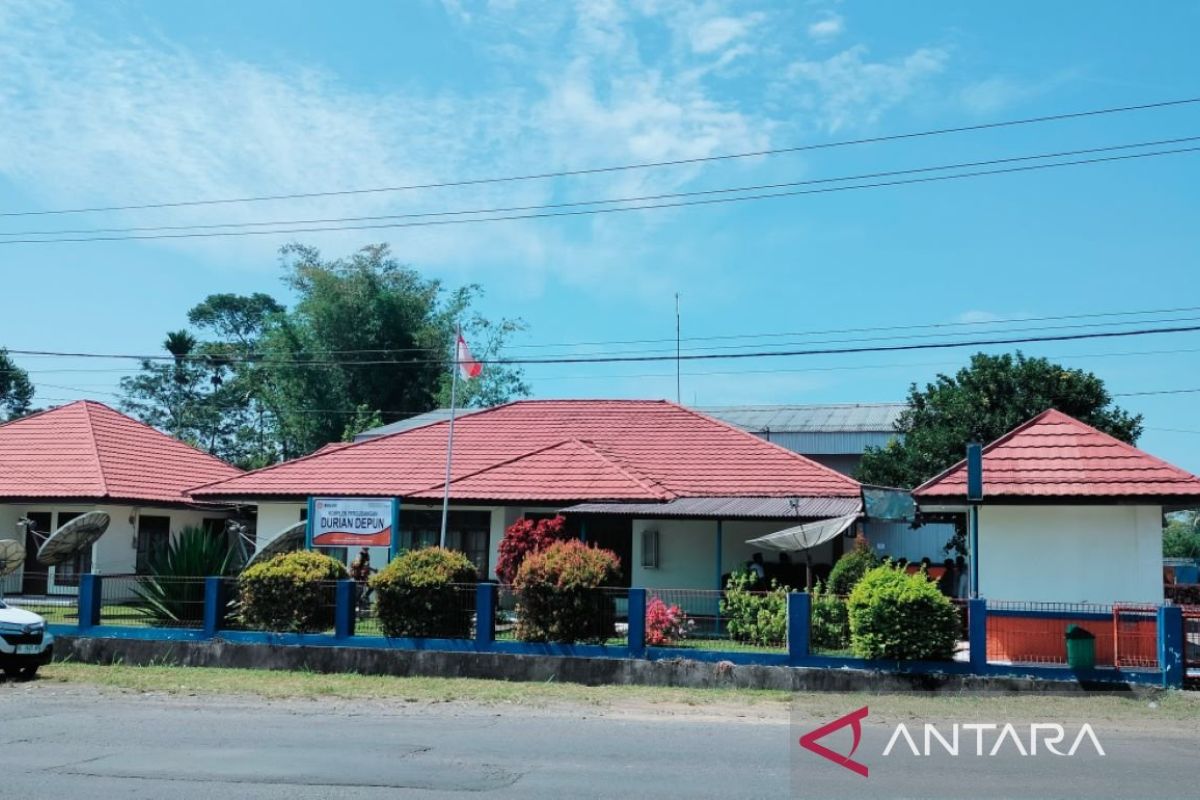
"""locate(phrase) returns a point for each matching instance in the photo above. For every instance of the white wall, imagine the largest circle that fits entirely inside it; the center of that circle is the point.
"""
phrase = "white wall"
(687, 551)
(1074, 554)
(896, 540)
(113, 553)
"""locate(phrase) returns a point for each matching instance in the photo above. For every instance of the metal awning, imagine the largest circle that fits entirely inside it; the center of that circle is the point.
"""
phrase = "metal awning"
(729, 508)
(802, 537)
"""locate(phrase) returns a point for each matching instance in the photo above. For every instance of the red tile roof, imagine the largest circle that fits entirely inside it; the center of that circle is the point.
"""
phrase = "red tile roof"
(555, 450)
(86, 450)
(1054, 455)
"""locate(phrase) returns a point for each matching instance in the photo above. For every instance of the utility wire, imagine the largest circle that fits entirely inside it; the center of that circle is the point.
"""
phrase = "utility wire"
(608, 201)
(321, 359)
(623, 167)
(591, 211)
(1066, 337)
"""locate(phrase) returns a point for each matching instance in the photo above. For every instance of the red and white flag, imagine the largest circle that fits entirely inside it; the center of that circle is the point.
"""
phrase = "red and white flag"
(468, 367)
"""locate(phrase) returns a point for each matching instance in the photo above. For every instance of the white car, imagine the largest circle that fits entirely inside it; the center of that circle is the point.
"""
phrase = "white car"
(25, 643)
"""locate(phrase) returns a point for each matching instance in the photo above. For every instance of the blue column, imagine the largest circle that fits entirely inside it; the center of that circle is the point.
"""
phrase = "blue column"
(637, 623)
(799, 619)
(215, 603)
(89, 601)
(485, 613)
(1170, 646)
(345, 608)
(977, 633)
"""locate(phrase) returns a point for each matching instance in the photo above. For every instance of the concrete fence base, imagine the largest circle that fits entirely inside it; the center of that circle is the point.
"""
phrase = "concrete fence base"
(539, 668)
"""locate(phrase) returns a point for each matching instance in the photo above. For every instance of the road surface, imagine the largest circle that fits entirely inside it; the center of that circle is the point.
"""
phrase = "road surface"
(61, 741)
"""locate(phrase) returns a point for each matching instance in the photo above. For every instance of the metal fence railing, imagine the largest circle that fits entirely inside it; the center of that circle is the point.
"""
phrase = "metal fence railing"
(589, 616)
(716, 620)
(57, 607)
(1191, 641)
(148, 601)
(448, 613)
(1126, 635)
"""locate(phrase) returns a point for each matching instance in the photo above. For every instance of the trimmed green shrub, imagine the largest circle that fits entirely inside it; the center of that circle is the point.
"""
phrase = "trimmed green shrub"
(851, 567)
(830, 620)
(290, 592)
(755, 617)
(559, 594)
(173, 592)
(894, 615)
(418, 594)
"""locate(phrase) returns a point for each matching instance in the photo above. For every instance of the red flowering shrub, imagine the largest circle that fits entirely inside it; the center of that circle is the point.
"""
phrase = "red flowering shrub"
(523, 537)
(665, 624)
(560, 595)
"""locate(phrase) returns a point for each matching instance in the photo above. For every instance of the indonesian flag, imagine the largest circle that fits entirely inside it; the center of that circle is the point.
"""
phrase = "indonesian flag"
(468, 367)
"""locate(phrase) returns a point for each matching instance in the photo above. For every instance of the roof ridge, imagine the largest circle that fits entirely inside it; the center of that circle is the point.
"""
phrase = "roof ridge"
(819, 466)
(629, 470)
(41, 413)
(1134, 449)
(95, 445)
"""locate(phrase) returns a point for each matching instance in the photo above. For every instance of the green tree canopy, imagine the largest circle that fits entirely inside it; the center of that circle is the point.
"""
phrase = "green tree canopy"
(367, 341)
(980, 403)
(16, 392)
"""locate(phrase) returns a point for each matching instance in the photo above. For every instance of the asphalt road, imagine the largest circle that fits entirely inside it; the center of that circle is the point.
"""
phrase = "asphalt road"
(77, 742)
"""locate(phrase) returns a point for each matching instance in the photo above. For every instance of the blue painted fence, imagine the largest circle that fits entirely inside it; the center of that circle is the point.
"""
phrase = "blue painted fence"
(1170, 671)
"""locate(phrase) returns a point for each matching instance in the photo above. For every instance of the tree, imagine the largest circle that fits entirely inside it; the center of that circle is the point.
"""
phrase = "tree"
(367, 342)
(16, 392)
(368, 334)
(1181, 537)
(982, 402)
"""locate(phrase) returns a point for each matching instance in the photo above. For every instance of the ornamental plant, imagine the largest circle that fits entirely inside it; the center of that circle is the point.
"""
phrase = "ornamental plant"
(523, 537)
(173, 592)
(422, 593)
(290, 592)
(560, 595)
(894, 615)
(851, 567)
(665, 624)
(755, 617)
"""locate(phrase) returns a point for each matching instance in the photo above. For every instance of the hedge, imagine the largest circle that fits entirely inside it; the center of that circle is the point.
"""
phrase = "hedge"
(290, 592)
(560, 595)
(420, 594)
(894, 615)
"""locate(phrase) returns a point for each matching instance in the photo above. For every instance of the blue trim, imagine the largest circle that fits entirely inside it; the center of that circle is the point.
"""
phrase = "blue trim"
(1171, 646)
(345, 608)
(394, 549)
(708, 656)
(558, 649)
(637, 623)
(89, 600)
(308, 523)
(485, 613)
(799, 623)
(214, 605)
(977, 632)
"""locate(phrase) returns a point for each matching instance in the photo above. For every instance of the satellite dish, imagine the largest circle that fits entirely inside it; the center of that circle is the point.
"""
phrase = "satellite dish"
(12, 556)
(289, 539)
(68, 540)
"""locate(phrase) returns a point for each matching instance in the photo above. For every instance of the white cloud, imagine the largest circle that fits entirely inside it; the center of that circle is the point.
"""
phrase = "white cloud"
(717, 33)
(849, 89)
(828, 28)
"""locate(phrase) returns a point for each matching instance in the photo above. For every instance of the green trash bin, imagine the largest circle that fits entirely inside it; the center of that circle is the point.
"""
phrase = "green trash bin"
(1081, 648)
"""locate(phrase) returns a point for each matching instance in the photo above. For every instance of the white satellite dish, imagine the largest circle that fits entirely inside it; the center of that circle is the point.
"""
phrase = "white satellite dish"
(289, 539)
(12, 556)
(81, 532)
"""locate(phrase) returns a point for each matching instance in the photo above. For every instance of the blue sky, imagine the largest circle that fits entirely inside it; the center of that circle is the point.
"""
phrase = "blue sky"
(133, 102)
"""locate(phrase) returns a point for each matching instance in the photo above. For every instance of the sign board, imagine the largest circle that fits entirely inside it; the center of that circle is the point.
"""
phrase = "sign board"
(351, 522)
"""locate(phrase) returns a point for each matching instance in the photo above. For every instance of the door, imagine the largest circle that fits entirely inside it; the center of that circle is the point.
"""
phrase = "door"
(616, 534)
(153, 537)
(34, 580)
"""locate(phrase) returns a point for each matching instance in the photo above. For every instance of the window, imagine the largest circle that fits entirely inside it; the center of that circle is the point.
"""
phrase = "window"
(67, 574)
(153, 536)
(469, 532)
(650, 549)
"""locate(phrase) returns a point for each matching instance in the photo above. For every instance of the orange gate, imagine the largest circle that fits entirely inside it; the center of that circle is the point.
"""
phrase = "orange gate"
(1135, 636)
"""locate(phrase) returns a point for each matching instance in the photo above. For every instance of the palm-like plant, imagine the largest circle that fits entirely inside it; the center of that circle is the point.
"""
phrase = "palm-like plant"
(173, 592)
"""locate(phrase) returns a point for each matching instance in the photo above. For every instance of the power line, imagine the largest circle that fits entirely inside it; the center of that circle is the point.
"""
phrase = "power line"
(622, 167)
(612, 200)
(321, 359)
(592, 211)
(1156, 391)
(770, 353)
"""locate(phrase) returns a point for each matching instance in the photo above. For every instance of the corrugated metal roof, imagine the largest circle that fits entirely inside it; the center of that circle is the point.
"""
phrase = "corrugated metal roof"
(428, 418)
(824, 418)
(728, 508)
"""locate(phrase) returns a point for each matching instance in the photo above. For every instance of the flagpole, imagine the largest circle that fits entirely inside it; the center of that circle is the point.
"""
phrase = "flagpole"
(450, 439)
